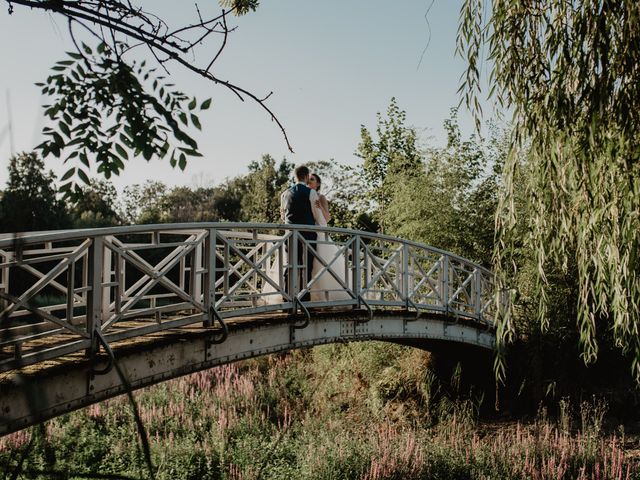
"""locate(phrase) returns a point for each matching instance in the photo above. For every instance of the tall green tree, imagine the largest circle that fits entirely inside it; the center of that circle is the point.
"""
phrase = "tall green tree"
(102, 112)
(184, 205)
(451, 203)
(568, 72)
(95, 206)
(142, 204)
(153, 202)
(389, 157)
(265, 183)
(227, 199)
(349, 197)
(29, 202)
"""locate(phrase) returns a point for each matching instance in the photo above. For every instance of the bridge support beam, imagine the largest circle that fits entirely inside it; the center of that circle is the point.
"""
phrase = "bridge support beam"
(43, 391)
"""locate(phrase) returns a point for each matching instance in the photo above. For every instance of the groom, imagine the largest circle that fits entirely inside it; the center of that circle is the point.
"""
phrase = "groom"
(296, 207)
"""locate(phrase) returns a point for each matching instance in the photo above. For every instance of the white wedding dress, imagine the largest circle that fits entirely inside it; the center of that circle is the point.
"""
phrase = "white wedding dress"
(328, 286)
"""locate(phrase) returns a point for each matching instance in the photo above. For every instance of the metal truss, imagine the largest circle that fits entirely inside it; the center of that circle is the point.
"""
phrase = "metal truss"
(62, 291)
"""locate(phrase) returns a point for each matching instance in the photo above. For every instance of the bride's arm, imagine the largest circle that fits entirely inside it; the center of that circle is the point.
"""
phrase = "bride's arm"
(324, 206)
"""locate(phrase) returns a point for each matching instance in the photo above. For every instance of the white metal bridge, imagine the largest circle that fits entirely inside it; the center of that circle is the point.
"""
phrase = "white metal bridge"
(160, 301)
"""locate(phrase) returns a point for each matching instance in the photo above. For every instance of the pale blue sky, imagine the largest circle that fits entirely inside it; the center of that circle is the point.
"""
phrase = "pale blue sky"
(331, 65)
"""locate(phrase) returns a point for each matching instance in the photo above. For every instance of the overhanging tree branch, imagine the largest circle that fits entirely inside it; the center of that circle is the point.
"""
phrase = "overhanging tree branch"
(119, 22)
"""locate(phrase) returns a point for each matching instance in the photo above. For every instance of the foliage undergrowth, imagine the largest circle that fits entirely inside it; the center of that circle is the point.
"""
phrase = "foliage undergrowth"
(358, 411)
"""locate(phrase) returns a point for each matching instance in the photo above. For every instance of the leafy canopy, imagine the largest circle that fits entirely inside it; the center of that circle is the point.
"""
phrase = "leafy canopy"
(106, 106)
(29, 201)
(264, 184)
(451, 202)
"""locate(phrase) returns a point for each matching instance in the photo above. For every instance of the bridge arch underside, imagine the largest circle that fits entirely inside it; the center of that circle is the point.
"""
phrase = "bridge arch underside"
(37, 393)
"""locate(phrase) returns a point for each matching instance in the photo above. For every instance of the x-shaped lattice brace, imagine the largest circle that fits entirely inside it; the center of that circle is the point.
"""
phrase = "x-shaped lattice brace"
(25, 265)
(382, 273)
(426, 277)
(484, 307)
(326, 266)
(463, 286)
(153, 275)
(254, 267)
(235, 268)
(47, 279)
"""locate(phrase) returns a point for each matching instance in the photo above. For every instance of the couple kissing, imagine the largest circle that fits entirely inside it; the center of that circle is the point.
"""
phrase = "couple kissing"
(326, 280)
(302, 203)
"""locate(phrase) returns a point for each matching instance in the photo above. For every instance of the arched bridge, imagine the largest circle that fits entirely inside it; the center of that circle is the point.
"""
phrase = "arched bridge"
(166, 300)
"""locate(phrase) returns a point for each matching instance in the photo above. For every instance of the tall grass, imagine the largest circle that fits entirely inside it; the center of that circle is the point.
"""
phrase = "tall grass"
(335, 412)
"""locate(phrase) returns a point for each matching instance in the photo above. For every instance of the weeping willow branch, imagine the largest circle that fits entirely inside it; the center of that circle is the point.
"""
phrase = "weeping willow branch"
(570, 73)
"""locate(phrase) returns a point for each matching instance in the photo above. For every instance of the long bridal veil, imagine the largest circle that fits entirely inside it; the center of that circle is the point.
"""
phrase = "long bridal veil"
(271, 295)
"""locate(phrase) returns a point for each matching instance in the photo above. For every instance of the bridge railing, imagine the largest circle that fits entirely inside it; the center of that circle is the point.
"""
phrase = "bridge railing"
(62, 291)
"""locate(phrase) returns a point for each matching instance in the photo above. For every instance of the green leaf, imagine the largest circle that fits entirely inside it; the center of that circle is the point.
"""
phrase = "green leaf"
(164, 149)
(206, 104)
(193, 104)
(83, 176)
(196, 121)
(122, 152)
(84, 159)
(182, 162)
(58, 140)
(126, 140)
(68, 174)
(65, 129)
(191, 152)
(75, 141)
(55, 149)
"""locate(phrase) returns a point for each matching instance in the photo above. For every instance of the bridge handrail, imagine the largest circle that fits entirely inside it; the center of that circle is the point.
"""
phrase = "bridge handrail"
(218, 270)
(28, 238)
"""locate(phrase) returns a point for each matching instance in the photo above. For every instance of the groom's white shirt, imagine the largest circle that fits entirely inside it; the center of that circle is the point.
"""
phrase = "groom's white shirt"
(313, 198)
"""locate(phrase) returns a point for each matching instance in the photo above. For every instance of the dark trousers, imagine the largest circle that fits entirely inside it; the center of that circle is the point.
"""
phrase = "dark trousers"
(305, 274)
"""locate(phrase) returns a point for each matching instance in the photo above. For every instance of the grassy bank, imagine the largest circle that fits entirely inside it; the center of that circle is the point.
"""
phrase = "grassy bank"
(360, 411)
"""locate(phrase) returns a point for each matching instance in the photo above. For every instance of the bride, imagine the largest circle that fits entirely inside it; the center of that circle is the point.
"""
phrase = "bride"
(327, 287)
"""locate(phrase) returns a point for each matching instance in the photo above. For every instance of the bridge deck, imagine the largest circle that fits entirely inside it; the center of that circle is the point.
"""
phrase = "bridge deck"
(62, 338)
(163, 336)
